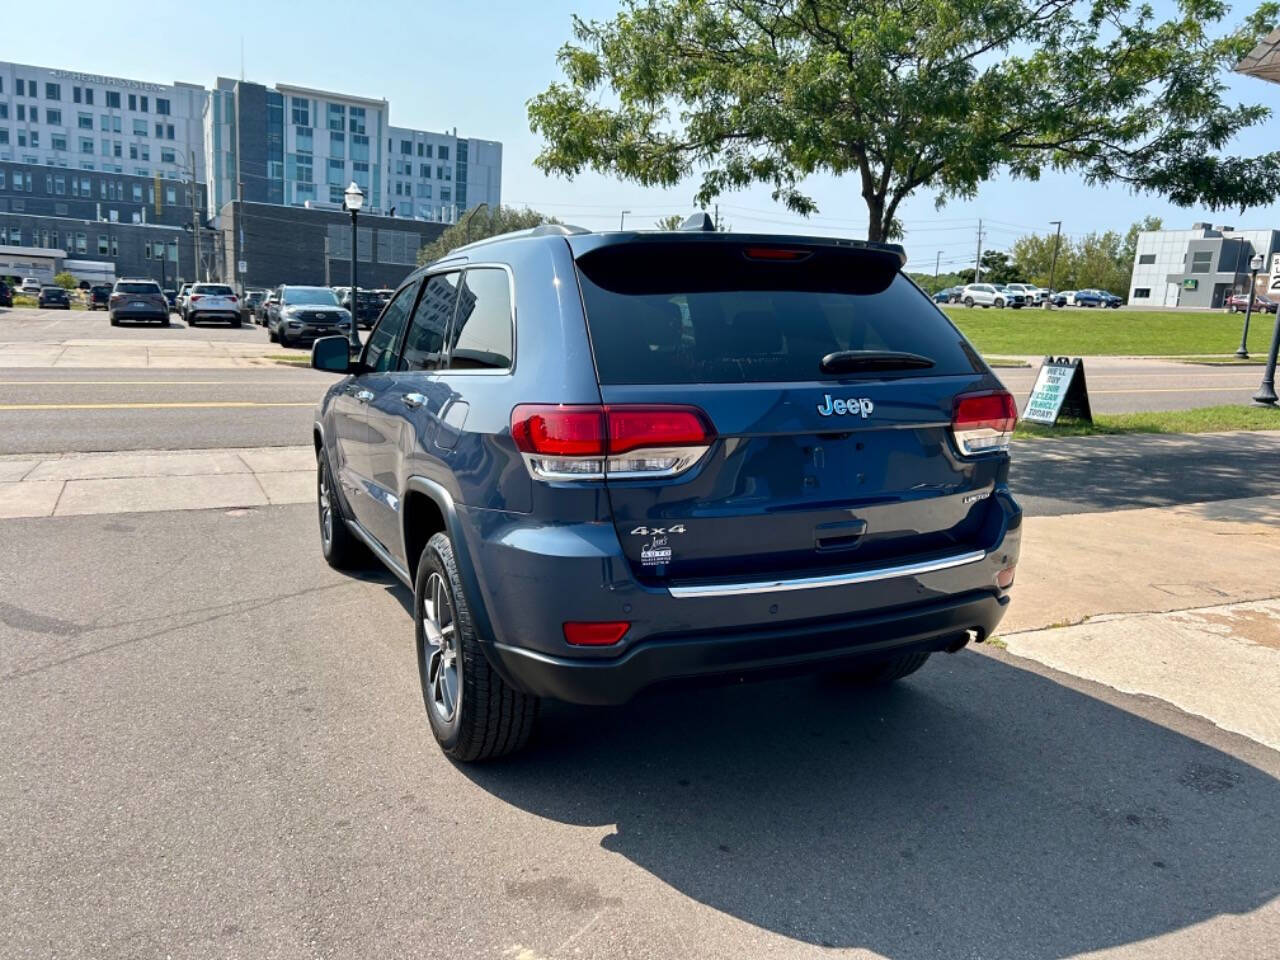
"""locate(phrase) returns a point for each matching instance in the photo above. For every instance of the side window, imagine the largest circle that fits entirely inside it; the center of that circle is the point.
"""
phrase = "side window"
(380, 351)
(425, 342)
(481, 334)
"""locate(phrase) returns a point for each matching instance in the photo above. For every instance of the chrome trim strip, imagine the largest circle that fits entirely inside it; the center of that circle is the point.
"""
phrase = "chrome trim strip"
(830, 580)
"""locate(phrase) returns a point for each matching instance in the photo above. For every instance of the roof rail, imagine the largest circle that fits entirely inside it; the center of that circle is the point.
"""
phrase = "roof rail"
(542, 230)
(557, 230)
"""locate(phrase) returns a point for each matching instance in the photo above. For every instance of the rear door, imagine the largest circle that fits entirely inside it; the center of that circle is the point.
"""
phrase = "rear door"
(809, 470)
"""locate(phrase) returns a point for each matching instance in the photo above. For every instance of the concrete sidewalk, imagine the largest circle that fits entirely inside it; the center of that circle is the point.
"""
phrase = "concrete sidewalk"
(169, 353)
(142, 482)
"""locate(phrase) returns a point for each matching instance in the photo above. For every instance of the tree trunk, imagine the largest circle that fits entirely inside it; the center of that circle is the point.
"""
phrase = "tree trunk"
(877, 225)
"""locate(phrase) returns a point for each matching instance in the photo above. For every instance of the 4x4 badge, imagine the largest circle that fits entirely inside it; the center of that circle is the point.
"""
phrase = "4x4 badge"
(854, 406)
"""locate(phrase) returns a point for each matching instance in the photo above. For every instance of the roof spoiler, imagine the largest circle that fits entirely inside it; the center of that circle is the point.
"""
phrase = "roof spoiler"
(699, 222)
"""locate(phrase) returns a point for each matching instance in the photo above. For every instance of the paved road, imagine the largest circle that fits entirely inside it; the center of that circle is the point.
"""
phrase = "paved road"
(1124, 385)
(64, 410)
(26, 325)
(215, 746)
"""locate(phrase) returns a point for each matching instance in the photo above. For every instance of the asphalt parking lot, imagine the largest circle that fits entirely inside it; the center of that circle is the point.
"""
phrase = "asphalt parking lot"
(215, 745)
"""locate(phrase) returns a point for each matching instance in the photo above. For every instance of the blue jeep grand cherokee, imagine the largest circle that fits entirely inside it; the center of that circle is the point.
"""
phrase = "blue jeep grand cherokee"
(607, 460)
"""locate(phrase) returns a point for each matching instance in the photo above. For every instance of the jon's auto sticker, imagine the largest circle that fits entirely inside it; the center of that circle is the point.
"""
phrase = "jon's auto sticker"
(656, 551)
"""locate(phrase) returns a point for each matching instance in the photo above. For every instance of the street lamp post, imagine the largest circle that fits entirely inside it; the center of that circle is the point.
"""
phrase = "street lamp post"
(1266, 395)
(1053, 264)
(1255, 264)
(623, 219)
(354, 198)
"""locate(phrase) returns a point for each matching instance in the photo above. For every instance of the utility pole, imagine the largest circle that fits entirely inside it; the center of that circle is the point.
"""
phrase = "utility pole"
(717, 218)
(977, 264)
(623, 219)
(937, 262)
(195, 216)
(1053, 264)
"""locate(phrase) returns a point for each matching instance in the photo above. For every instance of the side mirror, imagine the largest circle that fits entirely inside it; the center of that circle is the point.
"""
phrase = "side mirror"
(332, 354)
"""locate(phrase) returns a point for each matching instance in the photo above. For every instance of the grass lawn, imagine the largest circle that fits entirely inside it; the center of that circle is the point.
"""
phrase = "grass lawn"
(26, 300)
(1077, 331)
(1200, 420)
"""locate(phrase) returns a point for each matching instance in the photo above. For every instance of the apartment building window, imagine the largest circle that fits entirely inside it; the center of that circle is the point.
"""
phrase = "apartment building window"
(171, 195)
(116, 125)
(133, 101)
(139, 127)
(84, 121)
(88, 96)
(337, 172)
(137, 193)
(21, 87)
(35, 139)
(424, 191)
(48, 183)
(60, 186)
(1147, 258)
(15, 233)
(419, 148)
(299, 167)
(116, 149)
(104, 244)
(1141, 293)
(424, 171)
(115, 246)
(1202, 261)
(82, 242)
(85, 187)
(428, 153)
(300, 111)
(337, 117)
(58, 141)
(159, 131)
(53, 117)
(104, 123)
(2, 178)
(142, 104)
(76, 95)
(302, 192)
(357, 121)
(22, 112)
(4, 111)
(162, 106)
(336, 193)
(359, 148)
(406, 147)
(86, 145)
(444, 152)
(145, 152)
(113, 100)
(360, 174)
(168, 131)
(133, 151)
(4, 136)
(22, 138)
(337, 144)
(53, 91)
(304, 140)
(167, 155)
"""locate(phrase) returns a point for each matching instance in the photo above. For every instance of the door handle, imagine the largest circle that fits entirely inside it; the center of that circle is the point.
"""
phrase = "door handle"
(413, 400)
(364, 396)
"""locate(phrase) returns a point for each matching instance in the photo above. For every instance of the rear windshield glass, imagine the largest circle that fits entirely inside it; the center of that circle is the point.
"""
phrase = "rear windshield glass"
(213, 289)
(137, 288)
(316, 295)
(696, 316)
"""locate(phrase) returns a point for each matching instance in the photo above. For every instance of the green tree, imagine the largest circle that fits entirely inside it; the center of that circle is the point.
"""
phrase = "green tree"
(479, 223)
(671, 222)
(996, 268)
(65, 280)
(1034, 255)
(1144, 225)
(907, 95)
(929, 284)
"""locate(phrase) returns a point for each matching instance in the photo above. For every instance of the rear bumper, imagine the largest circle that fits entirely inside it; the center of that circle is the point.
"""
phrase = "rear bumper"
(531, 577)
(809, 646)
(134, 313)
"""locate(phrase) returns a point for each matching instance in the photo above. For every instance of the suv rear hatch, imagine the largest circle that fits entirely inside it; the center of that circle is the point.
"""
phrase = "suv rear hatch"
(827, 383)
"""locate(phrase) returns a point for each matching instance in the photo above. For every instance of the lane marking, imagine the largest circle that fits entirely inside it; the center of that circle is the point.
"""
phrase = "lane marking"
(150, 406)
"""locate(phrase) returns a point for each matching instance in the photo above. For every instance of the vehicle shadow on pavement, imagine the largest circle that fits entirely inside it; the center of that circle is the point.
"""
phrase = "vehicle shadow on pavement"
(974, 810)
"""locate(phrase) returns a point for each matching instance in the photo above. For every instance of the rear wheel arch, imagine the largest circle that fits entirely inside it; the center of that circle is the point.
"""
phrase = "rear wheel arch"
(423, 517)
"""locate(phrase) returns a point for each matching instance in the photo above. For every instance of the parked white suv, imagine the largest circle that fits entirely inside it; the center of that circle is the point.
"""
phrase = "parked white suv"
(989, 295)
(30, 285)
(1033, 293)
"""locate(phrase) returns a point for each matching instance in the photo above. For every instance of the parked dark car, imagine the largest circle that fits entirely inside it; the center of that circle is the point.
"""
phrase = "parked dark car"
(53, 298)
(305, 313)
(368, 305)
(139, 299)
(250, 302)
(171, 297)
(947, 295)
(6, 295)
(705, 455)
(1096, 298)
(100, 296)
(1237, 302)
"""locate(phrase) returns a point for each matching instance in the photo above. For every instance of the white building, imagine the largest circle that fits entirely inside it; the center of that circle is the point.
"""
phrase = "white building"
(86, 121)
(439, 176)
(1199, 267)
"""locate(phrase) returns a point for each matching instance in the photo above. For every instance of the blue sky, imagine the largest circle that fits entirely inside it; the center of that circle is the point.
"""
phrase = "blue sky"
(474, 65)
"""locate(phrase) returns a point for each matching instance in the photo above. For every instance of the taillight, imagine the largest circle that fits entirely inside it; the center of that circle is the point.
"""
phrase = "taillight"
(984, 422)
(588, 442)
(232, 299)
(194, 297)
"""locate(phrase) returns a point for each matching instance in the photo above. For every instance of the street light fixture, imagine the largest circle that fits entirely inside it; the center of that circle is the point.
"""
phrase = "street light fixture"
(354, 200)
(1255, 264)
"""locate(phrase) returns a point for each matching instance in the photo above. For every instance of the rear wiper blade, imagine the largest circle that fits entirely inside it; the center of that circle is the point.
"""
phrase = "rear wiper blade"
(854, 361)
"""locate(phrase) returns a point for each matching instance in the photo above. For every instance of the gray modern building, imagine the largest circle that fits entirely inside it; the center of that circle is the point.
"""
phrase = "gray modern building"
(104, 222)
(277, 245)
(1202, 266)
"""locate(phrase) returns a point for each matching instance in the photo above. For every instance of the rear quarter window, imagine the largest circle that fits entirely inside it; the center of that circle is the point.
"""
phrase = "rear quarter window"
(707, 315)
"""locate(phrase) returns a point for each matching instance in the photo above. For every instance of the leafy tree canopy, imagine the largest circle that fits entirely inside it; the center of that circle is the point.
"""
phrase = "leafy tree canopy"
(65, 280)
(1097, 260)
(907, 95)
(670, 222)
(479, 223)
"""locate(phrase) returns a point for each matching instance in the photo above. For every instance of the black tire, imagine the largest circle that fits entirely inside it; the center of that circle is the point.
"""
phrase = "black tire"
(235, 324)
(341, 548)
(114, 321)
(999, 303)
(165, 322)
(485, 718)
(885, 671)
(968, 301)
(282, 335)
(271, 334)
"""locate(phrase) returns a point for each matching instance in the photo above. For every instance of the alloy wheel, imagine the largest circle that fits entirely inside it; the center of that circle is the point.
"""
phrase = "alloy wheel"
(443, 667)
(326, 507)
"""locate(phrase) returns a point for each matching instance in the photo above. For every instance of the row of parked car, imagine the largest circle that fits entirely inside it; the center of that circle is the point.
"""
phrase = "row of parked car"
(1018, 295)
